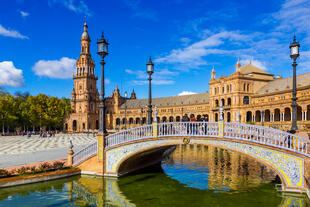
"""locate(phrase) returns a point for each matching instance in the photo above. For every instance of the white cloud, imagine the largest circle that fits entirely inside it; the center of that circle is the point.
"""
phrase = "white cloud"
(24, 14)
(184, 93)
(77, 6)
(11, 33)
(193, 54)
(257, 63)
(10, 76)
(160, 77)
(107, 81)
(62, 69)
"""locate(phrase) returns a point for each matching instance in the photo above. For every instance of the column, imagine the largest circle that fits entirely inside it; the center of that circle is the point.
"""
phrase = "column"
(292, 116)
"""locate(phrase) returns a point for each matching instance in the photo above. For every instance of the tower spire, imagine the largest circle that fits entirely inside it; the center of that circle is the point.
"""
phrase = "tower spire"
(213, 73)
(238, 66)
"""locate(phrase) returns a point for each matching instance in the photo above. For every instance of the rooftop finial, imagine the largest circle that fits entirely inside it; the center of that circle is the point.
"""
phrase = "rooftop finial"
(213, 68)
(85, 19)
(294, 37)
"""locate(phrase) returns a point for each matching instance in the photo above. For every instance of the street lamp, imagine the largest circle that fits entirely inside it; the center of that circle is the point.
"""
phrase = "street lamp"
(102, 51)
(294, 47)
(125, 109)
(150, 71)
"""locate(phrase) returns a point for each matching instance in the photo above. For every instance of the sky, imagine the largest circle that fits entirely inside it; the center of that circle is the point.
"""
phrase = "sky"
(40, 42)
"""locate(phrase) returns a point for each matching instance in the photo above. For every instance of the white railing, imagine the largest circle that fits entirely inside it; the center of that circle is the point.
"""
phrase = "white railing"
(251, 133)
(85, 153)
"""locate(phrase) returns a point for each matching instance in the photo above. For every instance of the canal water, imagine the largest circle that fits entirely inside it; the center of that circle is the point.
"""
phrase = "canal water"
(193, 175)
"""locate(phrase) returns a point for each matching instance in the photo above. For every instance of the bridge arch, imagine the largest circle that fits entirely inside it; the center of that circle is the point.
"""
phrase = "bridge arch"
(121, 159)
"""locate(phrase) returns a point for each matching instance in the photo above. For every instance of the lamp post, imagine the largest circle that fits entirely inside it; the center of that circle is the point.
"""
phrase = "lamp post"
(141, 116)
(102, 52)
(150, 71)
(263, 117)
(294, 47)
(125, 110)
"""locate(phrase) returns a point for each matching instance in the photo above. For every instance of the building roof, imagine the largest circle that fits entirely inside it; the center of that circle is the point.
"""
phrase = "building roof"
(250, 68)
(285, 84)
(199, 98)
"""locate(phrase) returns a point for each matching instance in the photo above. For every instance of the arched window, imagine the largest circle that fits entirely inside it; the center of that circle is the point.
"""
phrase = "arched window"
(216, 103)
(243, 87)
(246, 100)
(216, 117)
(227, 89)
(228, 116)
(229, 101)
(248, 88)
(223, 102)
(223, 89)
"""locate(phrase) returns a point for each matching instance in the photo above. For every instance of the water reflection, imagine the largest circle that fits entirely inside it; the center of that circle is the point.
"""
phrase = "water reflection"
(193, 175)
(212, 168)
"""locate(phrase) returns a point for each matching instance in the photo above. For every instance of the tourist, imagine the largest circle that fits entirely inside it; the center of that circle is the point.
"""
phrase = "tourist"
(193, 126)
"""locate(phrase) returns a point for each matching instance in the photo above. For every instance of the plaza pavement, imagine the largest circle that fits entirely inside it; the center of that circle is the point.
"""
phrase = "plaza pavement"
(20, 150)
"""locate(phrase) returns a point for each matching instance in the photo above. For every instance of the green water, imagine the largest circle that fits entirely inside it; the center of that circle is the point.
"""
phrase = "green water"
(192, 176)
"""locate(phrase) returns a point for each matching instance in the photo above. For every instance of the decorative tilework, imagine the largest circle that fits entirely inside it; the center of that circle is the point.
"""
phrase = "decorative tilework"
(288, 166)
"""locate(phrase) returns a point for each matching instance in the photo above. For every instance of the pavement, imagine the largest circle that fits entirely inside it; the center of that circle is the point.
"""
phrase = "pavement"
(20, 150)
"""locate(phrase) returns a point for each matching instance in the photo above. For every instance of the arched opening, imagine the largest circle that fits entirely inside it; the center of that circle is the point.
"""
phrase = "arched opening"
(216, 117)
(223, 102)
(198, 117)
(277, 115)
(178, 119)
(246, 100)
(299, 113)
(144, 120)
(66, 127)
(228, 116)
(124, 121)
(74, 125)
(117, 121)
(158, 119)
(257, 116)
(229, 101)
(248, 88)
(138, 121)
(248, 116)
(244, 87)
(287, 114)
(164, 119)
(97, 124)
(267, 116)
(130, 121)
(83, 125)
(308, 112)
(171, 119)
(216, 103)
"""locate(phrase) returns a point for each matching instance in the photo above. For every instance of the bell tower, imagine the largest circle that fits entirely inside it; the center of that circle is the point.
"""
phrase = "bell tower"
(84, 96)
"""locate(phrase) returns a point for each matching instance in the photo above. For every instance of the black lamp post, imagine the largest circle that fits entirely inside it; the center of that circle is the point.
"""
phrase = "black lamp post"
(263, 117)
(125, 110)
(294, 47)
(102, 51)
(141, 116)
(150, 71)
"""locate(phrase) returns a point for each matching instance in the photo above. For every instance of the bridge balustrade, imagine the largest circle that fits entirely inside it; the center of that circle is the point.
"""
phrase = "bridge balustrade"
(247, 132)
(234, 131)
(85, 153)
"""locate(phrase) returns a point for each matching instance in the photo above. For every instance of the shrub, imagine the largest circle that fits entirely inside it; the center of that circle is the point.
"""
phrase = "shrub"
(44, 167)
(21, 171)
(58, 165)
(4, 173)
(33, 170)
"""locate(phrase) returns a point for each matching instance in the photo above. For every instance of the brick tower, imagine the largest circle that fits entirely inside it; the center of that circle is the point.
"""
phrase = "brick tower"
(84, 96)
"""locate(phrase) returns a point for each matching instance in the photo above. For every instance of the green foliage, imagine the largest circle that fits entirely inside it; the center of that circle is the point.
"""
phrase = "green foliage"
(44, 167)
(24, 111)
(4, 173)
(58, 165)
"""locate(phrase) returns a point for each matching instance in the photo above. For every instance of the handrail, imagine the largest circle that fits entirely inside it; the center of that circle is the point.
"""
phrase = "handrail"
(234, 131)
(251, 133)
(84, 153)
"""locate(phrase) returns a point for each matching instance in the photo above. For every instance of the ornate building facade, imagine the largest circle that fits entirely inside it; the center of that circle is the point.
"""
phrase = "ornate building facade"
(248, 95)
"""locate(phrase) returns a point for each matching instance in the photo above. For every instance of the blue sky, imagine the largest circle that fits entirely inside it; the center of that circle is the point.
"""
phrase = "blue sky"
(40, 41)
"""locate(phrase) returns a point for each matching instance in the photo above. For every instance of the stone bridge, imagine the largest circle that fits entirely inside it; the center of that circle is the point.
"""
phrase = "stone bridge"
(129, 150)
